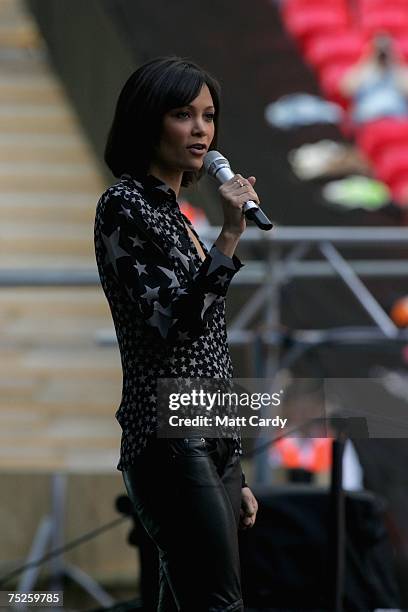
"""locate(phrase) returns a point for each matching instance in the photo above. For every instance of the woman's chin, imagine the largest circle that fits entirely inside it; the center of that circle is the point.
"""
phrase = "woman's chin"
(194, 166)
(190, 165)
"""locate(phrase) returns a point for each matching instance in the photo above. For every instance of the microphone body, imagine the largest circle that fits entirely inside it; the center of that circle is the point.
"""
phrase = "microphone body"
(218, 166)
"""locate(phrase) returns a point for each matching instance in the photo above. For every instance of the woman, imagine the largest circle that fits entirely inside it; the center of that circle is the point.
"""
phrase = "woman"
(166, 292)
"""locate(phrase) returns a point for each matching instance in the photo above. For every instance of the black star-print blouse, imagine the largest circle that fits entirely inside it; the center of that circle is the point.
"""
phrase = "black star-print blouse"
(167, 305)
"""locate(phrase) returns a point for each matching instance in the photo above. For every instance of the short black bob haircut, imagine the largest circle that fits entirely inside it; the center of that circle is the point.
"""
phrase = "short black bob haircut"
(155, 88)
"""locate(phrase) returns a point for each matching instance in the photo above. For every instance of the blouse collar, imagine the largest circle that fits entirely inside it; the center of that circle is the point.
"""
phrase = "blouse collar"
(153, 184)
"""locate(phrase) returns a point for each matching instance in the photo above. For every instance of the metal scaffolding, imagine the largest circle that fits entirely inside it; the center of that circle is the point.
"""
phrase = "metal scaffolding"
(284, 250)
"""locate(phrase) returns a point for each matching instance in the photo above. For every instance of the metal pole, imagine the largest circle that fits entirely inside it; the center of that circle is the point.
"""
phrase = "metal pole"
(56, 564)
(366, 299)
(337, 529)
(271, 359)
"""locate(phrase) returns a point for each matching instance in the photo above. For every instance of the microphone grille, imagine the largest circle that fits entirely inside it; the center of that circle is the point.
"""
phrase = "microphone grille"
(210, 158)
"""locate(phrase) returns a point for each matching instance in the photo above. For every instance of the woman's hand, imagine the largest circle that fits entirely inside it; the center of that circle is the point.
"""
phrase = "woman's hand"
(235, 193)
(249, 508)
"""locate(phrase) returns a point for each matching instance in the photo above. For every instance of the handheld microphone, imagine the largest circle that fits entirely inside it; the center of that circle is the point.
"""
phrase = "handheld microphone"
(217, 166)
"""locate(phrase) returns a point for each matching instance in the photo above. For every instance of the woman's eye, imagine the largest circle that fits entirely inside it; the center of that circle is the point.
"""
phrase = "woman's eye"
(182, 114)
(210, 116)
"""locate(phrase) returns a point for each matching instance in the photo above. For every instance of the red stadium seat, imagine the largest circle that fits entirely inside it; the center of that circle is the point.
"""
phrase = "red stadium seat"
(399, 191)
(392, 165)
(376, 136)
(312, 21)
(365, 6)
(290, 7)
(345, 47)
(385, 19)
(329, 78)
(401, 46)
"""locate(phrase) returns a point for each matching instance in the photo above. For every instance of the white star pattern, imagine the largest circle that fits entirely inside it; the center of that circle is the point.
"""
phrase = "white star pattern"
(184, 258)
(136, 241)
(141, 269)
(161, 318)
(208, 300)
(126, 212)
(151, 294)
(176, 239)
(221, 280)
(160, 338)
(113, 250)
(170, 274)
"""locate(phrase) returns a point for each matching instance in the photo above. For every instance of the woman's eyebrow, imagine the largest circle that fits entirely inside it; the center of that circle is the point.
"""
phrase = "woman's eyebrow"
(206, 108)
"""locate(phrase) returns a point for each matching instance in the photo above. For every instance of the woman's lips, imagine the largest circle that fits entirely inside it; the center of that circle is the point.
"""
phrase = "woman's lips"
(197, 152)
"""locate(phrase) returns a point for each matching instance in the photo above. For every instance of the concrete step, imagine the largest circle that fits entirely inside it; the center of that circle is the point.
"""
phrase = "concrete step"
(56, 395)
(48, 156)
(33, 460)
(46, 149)
(59, 360)
(58, 141)
(50, 207)
(33, 118)
(91, 185)
(48, 261)
(53, 238)
(57, 246)
(22, 230)
(22, 35)
(54, 331)
(22, 92)
(24, 302)
(16, 81)
(61, 176)
(21, 63)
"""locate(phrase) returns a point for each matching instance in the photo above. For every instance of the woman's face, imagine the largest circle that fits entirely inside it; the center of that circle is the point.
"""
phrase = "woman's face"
(183, 128)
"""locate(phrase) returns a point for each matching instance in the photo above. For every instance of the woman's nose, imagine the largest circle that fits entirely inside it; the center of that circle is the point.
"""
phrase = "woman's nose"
(199, 127)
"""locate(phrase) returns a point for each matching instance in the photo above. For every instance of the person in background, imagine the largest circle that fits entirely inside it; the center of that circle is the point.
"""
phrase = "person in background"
(377, 84)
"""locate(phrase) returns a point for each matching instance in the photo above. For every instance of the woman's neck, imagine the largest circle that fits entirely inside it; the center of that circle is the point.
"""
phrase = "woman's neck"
(171, 178)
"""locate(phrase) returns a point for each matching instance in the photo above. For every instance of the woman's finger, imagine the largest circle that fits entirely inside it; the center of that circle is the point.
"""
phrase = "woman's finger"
(240, 183)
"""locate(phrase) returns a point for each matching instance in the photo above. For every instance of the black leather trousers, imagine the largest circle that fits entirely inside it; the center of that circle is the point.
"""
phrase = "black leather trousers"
(187, 494)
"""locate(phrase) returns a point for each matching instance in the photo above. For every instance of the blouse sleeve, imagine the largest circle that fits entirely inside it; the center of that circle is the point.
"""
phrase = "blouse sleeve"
(145, 273)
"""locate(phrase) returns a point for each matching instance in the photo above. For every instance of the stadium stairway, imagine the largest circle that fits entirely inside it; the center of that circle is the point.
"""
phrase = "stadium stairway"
(58, 389)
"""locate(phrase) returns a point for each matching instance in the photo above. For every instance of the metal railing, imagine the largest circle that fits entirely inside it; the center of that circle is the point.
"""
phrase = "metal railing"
(270, 274)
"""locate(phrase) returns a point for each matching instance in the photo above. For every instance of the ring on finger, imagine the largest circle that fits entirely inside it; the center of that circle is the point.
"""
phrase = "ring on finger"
(240, 183)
